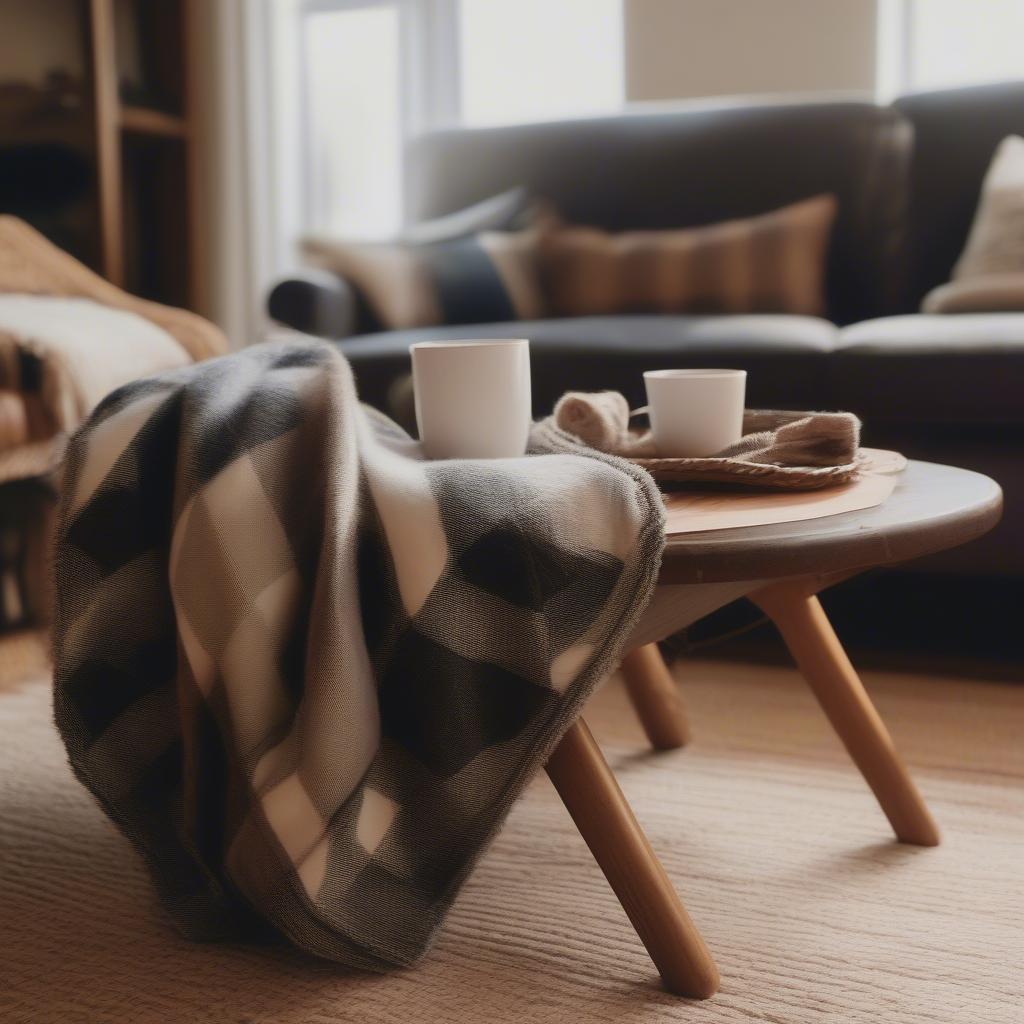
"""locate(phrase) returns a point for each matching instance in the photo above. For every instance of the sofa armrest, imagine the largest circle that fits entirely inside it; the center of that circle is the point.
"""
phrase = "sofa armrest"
(315, 302)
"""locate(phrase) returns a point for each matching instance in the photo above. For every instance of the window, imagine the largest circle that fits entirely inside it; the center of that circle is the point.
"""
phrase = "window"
(532, 60)
(373, 73)
(936, 44)
(353, 115)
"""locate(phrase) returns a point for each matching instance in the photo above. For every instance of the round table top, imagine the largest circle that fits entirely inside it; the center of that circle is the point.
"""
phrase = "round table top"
(932, 508)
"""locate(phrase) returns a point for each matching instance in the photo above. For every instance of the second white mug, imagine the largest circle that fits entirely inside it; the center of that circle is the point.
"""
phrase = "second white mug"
(472, 397)
(695, 413)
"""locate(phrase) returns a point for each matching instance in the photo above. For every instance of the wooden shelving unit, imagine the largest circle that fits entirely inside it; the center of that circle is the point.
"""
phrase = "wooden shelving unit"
(146, 157)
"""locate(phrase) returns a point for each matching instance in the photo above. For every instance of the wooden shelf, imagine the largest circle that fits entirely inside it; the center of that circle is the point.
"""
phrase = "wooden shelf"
(144, 121)
(146, 158)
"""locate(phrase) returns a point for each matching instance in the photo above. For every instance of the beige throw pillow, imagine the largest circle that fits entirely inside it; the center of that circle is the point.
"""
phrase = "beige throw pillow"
(996, 242)
(772, 263)
(991, 293)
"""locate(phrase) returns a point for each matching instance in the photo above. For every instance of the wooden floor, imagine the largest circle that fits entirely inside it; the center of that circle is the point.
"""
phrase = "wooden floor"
(813, 913)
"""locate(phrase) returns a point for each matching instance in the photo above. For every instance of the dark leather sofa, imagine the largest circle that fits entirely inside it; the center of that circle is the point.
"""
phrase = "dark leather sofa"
(907, 177)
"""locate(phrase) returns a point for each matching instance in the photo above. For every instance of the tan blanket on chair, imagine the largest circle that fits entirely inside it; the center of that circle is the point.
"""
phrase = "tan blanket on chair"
(62, 357)
(67, 339)
(31, 265)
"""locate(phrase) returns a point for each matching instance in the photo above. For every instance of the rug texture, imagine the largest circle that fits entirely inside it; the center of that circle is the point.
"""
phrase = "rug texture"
(813, 913)
(306, 670)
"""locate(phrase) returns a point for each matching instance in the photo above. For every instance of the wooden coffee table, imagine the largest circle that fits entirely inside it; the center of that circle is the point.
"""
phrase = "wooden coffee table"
(781, 568)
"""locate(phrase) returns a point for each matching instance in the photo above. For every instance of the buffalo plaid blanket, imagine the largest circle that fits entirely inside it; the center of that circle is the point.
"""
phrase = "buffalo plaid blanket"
(307, 672)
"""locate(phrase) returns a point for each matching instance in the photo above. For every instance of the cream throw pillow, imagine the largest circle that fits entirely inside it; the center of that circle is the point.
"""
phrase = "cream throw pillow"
(989, 276)
(996, 242)
(992, 293)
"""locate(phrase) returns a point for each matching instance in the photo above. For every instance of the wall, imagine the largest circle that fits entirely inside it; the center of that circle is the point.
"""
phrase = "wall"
(37, 36)
(684, 48)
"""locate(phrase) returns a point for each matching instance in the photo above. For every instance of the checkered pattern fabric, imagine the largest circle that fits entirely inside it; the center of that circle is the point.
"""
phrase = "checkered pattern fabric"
(307, 672)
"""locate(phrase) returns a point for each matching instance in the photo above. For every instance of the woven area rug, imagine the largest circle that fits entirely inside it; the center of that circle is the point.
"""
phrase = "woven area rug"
(814, 915)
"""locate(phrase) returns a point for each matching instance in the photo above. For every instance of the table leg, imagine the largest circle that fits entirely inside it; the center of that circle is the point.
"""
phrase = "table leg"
(656, 698)
(801, 620)
(605, 820)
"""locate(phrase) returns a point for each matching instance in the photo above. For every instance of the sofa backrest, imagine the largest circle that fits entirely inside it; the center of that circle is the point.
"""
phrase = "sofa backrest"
(956, 132)
(696, 164)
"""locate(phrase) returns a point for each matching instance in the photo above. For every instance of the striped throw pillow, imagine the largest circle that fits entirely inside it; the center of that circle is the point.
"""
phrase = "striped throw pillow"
(485, 278)
(773, 263)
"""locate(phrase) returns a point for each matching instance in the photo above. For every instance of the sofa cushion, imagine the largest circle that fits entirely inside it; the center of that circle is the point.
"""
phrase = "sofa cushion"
(996, 242)
(943, 369)
(785, 355)
(697, 163)
(389, 281)
(991, 293)
(771, 263)
(458, 281)
(512, 210)
(955, 133)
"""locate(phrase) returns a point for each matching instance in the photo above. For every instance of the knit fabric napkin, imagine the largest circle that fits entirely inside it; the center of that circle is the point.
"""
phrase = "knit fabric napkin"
(770, 437)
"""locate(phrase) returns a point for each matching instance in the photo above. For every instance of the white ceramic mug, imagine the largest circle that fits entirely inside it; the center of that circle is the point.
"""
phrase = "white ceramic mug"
(472, 397)
(695, 413)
